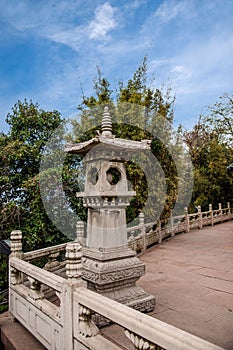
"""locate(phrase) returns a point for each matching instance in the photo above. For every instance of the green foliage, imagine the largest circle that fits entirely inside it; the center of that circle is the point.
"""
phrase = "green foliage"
(210, 144)
(138, 112)
(21, 206)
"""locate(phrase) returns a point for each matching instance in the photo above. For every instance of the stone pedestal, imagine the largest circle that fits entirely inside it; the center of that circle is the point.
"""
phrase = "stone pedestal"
(115, 277)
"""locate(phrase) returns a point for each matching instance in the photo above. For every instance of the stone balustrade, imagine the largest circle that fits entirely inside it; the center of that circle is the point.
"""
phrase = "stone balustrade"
(67, 322)
(144, 235)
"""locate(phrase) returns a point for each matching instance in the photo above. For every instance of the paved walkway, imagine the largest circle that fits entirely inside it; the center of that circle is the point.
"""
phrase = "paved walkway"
(191, 276)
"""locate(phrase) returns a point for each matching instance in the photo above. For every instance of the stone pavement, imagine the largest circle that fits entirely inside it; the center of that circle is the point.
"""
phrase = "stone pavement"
(191, 276)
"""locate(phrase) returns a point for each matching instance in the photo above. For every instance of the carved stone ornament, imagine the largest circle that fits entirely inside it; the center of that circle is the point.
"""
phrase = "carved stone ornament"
(139, 342)
(35, 291)
(73, 260)
(15, 276)
(87, 327)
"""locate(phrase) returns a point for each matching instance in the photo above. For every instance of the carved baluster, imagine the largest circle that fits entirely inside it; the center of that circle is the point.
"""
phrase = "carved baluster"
(35, 291)
(211, 214)
(143, 230)
(15, 276)
(87, 327)
(228, 208)
(16, 251)
(74, 263)
(187, 221)
(53, 262)
(16, 243)
(220, 211)
(80, 238)
(160, 232)
(141, 343)
(200, 224)
(172, 225)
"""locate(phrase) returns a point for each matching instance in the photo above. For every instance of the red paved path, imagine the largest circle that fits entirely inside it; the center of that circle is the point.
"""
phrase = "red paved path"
(191, 276)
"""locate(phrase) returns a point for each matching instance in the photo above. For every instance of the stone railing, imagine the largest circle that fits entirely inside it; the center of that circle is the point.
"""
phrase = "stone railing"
(143, 331)
(145, 235)
(67, 323)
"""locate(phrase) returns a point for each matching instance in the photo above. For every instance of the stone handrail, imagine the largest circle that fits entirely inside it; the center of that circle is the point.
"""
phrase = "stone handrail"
(39, 253)
(144, 235)
(49, 279)
(142, 330)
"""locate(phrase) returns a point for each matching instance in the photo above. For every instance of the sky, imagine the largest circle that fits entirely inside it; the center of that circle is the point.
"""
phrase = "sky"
(49, 50)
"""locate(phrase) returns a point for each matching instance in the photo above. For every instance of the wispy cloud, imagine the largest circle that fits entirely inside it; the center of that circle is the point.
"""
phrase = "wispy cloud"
(169, 10)
(104, 22)
(97, 29)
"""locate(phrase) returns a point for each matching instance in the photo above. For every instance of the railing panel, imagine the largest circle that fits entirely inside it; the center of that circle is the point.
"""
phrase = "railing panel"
(51, 280)
(35, 318)
(148, 329)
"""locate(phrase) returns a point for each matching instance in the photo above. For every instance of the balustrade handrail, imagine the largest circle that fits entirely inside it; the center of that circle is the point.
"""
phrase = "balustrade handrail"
(39, 253)
(43, 276)
(150, 329)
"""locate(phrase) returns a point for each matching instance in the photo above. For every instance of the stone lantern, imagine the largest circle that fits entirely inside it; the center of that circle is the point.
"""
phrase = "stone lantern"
(110, 267)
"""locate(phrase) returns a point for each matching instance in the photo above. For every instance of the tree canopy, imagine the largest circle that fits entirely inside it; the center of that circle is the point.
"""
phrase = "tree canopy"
(20, 154)
(210, 144)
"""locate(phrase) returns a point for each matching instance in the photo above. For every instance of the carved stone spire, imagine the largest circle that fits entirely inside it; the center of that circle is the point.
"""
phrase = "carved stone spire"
(106, 123)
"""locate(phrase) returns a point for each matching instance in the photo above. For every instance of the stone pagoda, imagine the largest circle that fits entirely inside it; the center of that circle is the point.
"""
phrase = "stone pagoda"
(109, 266)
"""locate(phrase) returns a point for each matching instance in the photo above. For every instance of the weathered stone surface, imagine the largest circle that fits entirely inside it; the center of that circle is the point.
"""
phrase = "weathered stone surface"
(109, 267)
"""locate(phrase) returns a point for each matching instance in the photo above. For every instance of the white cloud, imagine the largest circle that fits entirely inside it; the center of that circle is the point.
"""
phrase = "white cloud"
(133, 5)
(170, 9)
(97, 29)
(104, 22)
(63, 22)
(180, 73)
(72, 38)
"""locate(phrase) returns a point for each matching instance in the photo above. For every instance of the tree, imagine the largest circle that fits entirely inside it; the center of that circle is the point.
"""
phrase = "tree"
(138, 112)
(210, 144)
(20, 154)
(220, 119)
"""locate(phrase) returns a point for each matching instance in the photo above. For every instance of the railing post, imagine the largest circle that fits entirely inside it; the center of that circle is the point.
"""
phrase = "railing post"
(211, 214)
(74, 263)
(160, 232)
(187, 219)
(143, 230)
(15, 277)
(229, 208)
(172, 225)
(73, 273)
(80, 233)
(199, 217)
(16, 244)
(220, 209)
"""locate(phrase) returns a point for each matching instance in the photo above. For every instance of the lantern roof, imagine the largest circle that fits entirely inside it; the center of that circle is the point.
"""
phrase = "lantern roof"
(106, 138)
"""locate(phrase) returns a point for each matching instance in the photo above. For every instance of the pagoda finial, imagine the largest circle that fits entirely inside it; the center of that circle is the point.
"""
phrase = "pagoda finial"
(106, 123)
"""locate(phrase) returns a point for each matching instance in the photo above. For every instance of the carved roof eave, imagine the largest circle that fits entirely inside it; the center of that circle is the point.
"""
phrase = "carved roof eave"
(112, 143)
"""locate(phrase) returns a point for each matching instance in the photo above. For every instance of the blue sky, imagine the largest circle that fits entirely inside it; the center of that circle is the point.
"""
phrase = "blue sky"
(47, 48)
